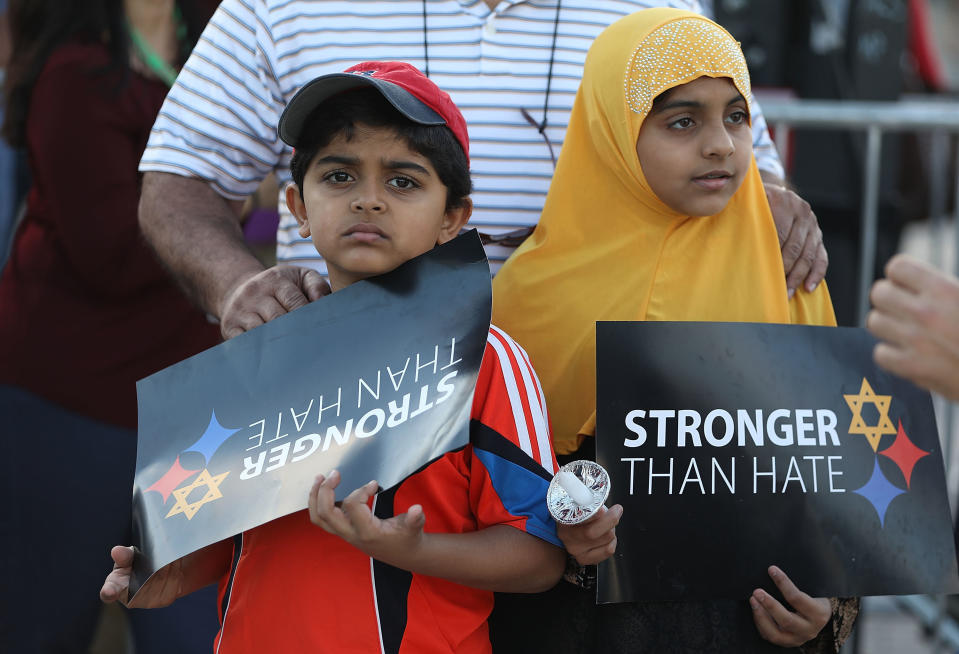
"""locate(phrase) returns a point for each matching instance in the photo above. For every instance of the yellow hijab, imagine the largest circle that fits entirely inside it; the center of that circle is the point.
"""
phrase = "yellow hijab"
(607, 248)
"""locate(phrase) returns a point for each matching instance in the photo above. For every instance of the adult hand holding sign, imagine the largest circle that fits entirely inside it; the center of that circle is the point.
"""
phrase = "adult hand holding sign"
(782, 626)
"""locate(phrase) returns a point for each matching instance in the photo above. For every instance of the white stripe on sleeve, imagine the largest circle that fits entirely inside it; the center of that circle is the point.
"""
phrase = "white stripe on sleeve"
(516, 404)
(534, 398)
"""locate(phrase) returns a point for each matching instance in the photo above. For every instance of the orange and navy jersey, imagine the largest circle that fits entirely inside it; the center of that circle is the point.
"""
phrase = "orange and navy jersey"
(293, 587)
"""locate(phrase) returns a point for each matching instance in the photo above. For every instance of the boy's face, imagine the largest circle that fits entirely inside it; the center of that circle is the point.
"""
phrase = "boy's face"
(371, 204)
(695, 147)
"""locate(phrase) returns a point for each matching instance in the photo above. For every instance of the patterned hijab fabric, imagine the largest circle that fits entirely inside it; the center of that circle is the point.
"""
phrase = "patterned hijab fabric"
(607, 248)
(662, 60)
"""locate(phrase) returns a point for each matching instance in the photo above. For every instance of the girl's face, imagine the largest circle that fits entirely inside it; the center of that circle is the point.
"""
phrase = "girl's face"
(695, 146)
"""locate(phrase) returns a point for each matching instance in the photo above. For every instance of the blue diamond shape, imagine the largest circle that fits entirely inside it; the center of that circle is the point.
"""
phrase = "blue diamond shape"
(880, 492)
(214, 436)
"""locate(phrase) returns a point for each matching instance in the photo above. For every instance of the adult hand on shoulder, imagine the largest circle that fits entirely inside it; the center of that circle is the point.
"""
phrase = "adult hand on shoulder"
(782, 626)
(804, 255)
(266, 295)
(594, 540)
(915, 316)
(161, 589)
(386, 540)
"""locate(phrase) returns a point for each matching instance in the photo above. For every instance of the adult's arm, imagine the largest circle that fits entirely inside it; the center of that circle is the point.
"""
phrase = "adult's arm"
(196, 234)
(800, 239)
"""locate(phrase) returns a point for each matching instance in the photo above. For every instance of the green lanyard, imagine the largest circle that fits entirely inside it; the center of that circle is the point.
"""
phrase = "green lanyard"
(148, 55)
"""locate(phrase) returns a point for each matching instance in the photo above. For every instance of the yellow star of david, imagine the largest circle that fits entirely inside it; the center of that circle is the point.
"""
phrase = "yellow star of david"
(189, 509)
(873, 433)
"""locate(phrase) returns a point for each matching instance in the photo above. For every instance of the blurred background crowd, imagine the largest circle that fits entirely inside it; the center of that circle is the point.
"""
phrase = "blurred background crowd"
(896, 51)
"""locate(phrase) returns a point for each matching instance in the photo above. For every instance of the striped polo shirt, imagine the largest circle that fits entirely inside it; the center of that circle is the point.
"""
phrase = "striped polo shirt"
(219, 121)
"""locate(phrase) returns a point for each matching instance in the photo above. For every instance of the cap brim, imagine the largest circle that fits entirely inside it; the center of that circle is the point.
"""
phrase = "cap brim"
(322, 88)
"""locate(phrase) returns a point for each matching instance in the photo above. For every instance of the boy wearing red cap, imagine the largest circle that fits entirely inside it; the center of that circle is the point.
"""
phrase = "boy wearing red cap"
(381, 174)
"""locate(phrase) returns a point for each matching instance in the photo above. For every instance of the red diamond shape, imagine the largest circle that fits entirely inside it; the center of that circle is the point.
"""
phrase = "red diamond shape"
(171, 479)
(904, 453)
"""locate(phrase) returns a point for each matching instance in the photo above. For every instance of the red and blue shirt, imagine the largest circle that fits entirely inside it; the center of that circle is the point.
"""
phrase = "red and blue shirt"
(293, 587)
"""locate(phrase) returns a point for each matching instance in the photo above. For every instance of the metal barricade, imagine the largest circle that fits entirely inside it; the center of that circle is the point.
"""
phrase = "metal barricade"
(940, 117)
(874, 118)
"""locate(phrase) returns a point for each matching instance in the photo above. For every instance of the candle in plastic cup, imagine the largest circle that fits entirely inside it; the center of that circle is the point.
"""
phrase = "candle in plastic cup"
(576, 489)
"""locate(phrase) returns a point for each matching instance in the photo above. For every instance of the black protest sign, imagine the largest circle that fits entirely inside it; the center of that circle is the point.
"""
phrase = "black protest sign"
(375, 381)
(733, 447)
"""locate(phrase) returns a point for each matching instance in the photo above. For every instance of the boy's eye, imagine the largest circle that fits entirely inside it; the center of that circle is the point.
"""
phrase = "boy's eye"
(337, 177)
(402, 183)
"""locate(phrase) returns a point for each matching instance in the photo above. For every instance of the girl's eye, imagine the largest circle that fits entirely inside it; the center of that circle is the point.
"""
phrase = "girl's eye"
(402, 183)
(681, 123)
(338, 177)
(737, 118)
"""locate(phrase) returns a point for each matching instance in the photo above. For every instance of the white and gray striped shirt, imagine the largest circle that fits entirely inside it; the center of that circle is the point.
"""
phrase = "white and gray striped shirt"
(219, 121)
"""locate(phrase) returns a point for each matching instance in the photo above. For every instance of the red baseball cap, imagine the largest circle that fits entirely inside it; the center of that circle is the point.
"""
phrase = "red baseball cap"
(411, 92)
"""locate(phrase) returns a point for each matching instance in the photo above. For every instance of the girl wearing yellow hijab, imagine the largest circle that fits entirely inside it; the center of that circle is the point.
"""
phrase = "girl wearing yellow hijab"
(656, 212)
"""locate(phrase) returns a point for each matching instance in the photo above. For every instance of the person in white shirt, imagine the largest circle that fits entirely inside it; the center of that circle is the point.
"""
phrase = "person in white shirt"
(512, 66)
